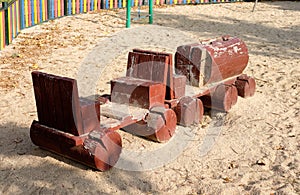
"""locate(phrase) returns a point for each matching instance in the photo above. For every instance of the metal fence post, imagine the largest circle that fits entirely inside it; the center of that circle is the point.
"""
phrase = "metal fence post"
(150, 11)
(128, 12)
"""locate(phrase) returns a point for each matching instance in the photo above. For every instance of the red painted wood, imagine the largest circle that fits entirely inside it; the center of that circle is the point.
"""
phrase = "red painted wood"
(211, 60)
(148, 66)
(246, 86)
(188, 111)
(159, 125)
(222, 98)
(140, 87)
(168, 59)
(145, 67)
(57, 102)
(89, 109)
(70, 106)
(137, 92)
(100, 149)
(38, 92)
(107, 150)
(167, 131)
(49, 100)
(179, 82)
(133, 60)
(199, 111)
(38, 11)
(234, 95)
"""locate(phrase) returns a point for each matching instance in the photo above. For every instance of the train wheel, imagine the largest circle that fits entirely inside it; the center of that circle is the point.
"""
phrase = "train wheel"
(222, 98)
(189, 110)
(159, 125)
(245, 85)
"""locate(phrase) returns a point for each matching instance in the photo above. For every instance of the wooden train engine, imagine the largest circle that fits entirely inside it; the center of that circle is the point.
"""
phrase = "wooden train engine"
(149, 101)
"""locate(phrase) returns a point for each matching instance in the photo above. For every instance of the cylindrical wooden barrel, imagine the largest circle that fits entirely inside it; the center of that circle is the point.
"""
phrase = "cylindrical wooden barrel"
(211, 60)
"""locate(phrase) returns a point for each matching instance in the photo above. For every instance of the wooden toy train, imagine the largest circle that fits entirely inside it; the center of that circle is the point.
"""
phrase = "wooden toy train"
(149, 101)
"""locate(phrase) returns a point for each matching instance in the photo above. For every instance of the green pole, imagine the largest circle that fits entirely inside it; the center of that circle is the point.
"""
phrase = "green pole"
(128, 12)
(150, 11)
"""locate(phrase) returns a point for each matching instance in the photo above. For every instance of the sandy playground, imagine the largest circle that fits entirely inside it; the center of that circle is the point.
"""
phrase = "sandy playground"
(256, 151)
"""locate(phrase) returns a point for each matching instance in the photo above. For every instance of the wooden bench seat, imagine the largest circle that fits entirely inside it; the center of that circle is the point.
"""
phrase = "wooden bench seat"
(67, 125)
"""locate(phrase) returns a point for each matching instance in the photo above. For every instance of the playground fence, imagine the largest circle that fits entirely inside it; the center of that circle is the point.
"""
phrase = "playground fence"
(16, 15)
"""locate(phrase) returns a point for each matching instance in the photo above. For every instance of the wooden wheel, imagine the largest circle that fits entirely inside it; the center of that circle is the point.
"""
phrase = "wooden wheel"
(222, 98)
(245, 85)
(159, 125)
(189, 110)
(234, 95)
(107, 150)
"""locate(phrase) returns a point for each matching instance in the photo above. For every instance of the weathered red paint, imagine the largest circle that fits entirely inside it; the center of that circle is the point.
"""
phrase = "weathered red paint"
(159, 125)
(67, 124)
(179, 82)
(70, 126)
(189, 111)
(137, 92)
(100, 152)
(222, 98)
(245, 86)
(211, 60)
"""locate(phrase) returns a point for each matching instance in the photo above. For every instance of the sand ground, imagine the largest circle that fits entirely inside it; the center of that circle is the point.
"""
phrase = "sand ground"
(256, 152)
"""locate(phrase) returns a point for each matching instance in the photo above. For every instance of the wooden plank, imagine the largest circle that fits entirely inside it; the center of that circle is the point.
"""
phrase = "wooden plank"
(160, 69)
(49, 100)
(66, 98)
(133, 60)
(58, 102)
(29, 13)
(58, 105)
(77, 6)
(112, 118)
(71, 107)
(32, 13)
(84, 6)
(26, 22)
(169, 62)
(121, 112)
(45, 10)
(38, 96)
(168, 81)
(89, 5)
(55, 8)
(145, 66)
(73, 7)
(93, 4)
(44, 100)
(58, 8)
(109, 123)
(22, 14)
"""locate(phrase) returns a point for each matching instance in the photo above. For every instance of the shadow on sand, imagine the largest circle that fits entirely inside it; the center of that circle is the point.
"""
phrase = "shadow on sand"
(25, 168)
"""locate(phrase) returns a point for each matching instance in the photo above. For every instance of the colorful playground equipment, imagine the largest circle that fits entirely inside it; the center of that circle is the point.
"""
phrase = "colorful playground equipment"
(149, 101)
(16, 15)
(128, 13)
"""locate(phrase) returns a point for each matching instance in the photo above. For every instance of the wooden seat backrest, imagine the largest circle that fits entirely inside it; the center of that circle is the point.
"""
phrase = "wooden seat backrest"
(57, 102)
(154, 66)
